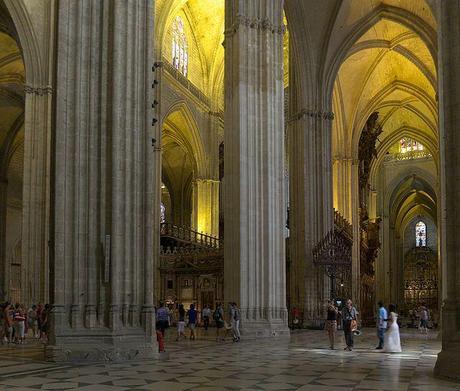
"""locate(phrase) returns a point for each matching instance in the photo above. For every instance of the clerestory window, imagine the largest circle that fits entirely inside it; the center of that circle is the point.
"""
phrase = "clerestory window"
(179, 46)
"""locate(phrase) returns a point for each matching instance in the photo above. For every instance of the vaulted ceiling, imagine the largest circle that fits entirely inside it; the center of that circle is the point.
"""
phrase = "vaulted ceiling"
(389, 68)
(12, 79)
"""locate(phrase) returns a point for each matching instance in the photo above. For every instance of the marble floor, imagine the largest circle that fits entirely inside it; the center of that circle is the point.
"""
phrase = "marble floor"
(302, 363)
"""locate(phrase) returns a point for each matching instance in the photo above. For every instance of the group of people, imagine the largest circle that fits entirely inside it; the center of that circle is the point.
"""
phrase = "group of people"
(419, 319)
(16, 322)
(191, 318)
(387, 326)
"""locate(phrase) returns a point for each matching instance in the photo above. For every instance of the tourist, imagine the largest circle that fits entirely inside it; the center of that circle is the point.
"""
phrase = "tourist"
(331, 322)
(32, 320)
(218, 317)
(8, 314)
(160, 337)
(39, 319)
(163, 317)
(350, 323)
(382, 316)
(206, 314)
(44, 321)
(19, 324)
(295, 318)
(181, 322)
(236, 323)
(392, 340)
(192, 320)
(423, 320)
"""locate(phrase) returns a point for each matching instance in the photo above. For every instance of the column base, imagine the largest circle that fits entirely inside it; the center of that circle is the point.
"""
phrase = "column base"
(448, 363)
(101, 349)
(265, 329)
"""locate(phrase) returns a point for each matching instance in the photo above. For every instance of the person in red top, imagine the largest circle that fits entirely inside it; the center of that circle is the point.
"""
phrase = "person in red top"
(295, 317)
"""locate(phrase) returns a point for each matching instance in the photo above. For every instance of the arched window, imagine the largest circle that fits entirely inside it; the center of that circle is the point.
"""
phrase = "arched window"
(407, 144)
(162, 213)
(420, 234)
(179, 46)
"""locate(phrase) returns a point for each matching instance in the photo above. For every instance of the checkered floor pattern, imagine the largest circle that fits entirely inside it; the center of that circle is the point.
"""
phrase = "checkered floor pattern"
(301, 363)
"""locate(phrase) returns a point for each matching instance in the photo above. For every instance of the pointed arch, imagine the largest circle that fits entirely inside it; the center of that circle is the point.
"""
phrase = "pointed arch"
(189, 135)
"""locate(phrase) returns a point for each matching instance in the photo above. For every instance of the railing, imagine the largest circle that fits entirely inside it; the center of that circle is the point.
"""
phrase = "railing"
(407, 156)
(189, 235)
(185, 82)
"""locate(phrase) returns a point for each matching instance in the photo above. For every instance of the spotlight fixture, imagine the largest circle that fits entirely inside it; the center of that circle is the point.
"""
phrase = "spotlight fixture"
(154, 145)
(155, 83)
(154, 121)
(154, 104)
(156, 64)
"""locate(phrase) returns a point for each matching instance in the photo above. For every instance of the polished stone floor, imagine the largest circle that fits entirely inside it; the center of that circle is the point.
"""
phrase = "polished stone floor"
(303, 363)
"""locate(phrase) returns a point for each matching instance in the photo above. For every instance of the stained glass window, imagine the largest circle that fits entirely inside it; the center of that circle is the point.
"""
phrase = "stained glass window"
(179, 46)
(407, 144)
(420, 234)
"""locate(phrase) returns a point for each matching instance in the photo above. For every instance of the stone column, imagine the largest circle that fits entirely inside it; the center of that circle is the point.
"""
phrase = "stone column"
(356, 250)
(4, 267)
(103, 233)
(36, 190)
(206, 206)
(254, 246)
(448, 362)
(311, 215)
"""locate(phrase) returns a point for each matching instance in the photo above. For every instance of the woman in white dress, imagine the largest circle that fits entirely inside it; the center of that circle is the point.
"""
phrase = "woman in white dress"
(392, 341)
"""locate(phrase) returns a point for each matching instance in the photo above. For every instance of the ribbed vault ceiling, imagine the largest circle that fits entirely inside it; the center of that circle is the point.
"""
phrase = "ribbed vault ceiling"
(389, 69)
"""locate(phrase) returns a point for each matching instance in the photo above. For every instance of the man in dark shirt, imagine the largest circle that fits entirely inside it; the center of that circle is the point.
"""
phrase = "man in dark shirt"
(349, 316)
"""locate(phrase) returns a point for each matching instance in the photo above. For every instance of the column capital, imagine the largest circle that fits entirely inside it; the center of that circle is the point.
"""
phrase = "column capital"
(261, 24)
(206, 180)
(39, 90)
(318, 114)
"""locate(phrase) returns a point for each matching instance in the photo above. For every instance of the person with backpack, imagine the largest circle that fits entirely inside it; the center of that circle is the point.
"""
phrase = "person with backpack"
(218, 317)
(162, 316)
(236, 323)
(192, 315)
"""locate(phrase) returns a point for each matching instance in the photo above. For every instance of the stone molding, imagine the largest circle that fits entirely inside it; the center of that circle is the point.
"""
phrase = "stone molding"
(324, 115)
(40, 91)
(264, 24)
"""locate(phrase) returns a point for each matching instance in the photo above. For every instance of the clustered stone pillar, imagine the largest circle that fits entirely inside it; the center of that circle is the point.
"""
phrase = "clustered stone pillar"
(105, 220)
(448, 362)
(311, 214)
(36, 190)
(4, 268)
(254, 249)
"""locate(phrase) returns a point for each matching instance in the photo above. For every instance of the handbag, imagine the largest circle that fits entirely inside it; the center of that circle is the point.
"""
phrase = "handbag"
(353, 325)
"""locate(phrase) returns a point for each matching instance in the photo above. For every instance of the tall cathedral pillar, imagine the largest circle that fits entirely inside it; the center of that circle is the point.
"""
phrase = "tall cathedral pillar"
(4, 267)
(449, 119)
(36, 190)
(310, 207)
(254, 165)
(105, 220)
